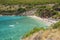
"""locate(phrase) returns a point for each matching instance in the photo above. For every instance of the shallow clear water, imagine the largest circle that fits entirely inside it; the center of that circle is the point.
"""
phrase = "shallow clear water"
(14, 27)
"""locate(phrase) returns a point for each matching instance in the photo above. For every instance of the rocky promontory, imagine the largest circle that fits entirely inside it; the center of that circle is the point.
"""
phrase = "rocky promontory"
(50, 34)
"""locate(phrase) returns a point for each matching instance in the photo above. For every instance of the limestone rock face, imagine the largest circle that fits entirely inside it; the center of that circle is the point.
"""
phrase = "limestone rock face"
(53, 34)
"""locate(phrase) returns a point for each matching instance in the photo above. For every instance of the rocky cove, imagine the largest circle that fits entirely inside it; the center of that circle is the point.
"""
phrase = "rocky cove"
(39, 12)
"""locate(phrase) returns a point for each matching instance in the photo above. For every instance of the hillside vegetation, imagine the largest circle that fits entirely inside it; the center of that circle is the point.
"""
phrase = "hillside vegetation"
(28, 1)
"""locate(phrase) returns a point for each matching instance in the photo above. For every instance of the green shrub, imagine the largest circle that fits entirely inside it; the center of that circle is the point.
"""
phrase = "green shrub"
(21, 10)
(56, 25)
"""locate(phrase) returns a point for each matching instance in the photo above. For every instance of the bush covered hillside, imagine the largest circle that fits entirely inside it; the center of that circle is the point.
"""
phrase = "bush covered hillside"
(28, 1)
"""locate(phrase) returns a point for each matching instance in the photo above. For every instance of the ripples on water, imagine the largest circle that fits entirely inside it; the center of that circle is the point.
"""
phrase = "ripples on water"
(13, 27)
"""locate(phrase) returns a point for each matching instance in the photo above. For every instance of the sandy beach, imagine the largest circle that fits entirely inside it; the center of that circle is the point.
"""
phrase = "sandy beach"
(45, 20)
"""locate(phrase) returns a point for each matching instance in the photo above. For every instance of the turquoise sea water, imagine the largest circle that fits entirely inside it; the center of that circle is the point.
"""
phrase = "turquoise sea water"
(14, 27)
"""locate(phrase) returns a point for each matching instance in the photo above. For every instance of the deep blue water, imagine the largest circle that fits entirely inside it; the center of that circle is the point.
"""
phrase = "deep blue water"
(14, 27)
